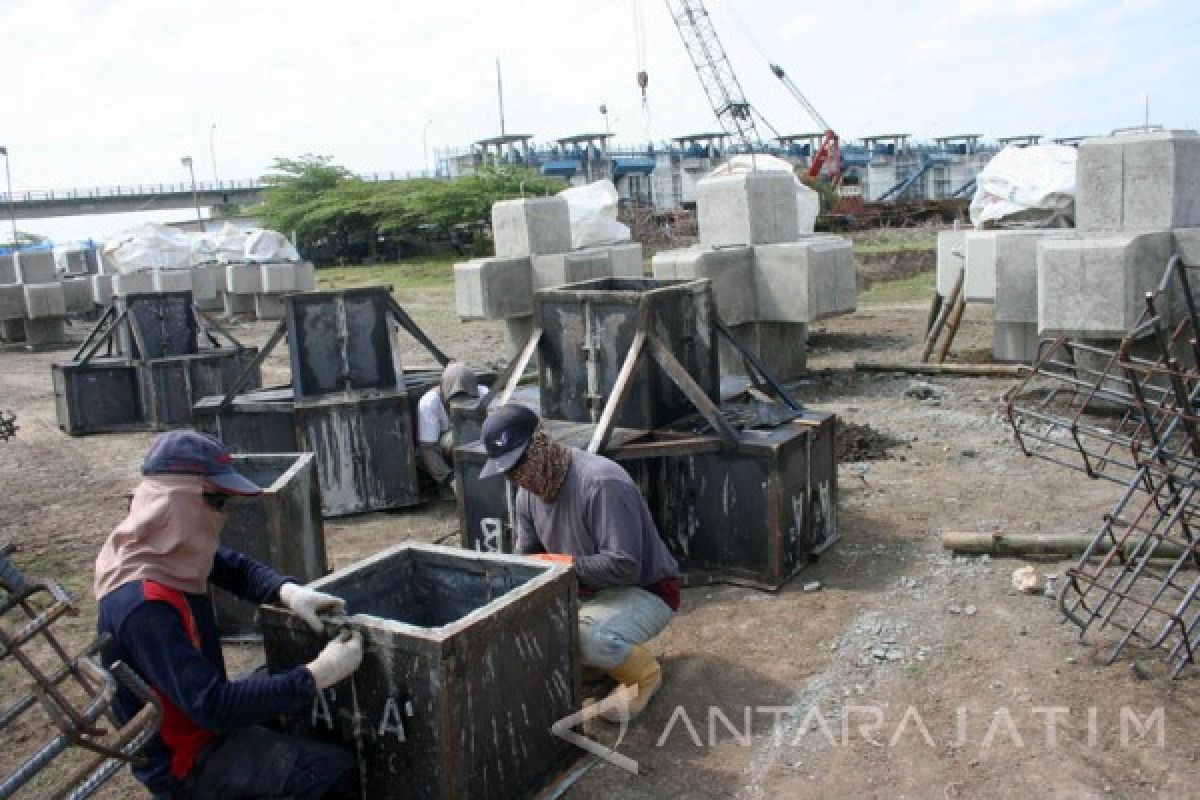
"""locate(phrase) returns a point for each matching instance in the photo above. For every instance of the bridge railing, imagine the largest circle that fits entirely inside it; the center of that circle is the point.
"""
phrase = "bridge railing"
(184, 187)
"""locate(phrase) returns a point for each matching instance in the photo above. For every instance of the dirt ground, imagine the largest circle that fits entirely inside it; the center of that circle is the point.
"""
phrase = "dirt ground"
(908, 674)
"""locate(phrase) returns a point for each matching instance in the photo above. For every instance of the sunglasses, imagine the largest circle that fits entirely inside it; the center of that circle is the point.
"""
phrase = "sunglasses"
(216, 500)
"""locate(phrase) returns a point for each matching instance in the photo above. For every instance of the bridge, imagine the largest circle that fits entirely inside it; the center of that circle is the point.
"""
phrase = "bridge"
(122, 199)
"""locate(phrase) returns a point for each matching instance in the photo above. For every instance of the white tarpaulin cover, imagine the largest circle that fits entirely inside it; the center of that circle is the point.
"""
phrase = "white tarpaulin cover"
(263, 246)
(225, 246)
(1033, 186)
(148, 246)
(593, 212)
(808, 203)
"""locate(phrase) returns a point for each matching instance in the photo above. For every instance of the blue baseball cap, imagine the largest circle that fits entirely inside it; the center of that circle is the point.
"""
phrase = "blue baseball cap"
(187, 452)
(506, 433)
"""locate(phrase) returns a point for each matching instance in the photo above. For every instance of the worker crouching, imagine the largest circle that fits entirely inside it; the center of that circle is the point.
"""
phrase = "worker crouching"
(151, 582)
(583, 509)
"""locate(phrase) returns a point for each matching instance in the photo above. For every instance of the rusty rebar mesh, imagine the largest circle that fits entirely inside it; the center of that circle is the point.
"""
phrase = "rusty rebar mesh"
(1128, 414)
(59, 735)
(8, 425)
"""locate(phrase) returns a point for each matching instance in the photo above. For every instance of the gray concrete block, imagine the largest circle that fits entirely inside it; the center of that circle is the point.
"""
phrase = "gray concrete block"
(13, 330)
(77, 292)
(36, 266)
(517, 331)
(1094, 287)
(45, 300)
(531, 226)
(494, 288)
(979, 283)
(102, 289)
(627, 260)
(1015, 342)
(8, 269)
(172, 280)
(214, 303)
(12, 301)
(951, 257)
(1187, 245)
(45, 331)
(306, 276)
(269, 306)
(588, 264)
(237, 303)
(780, 346)
(805, 281)
(243, 279)
(204, 284)
(132, 283)
(750, 208)
(1142, 181)
(845, 280)
(276, 278)
(1002, 269)
(729, 270)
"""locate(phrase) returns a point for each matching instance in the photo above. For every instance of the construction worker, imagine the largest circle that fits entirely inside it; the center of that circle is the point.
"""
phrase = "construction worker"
(435, 441)
(151, 582)
(583, 509)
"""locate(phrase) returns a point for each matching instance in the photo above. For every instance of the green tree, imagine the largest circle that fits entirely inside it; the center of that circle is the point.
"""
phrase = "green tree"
(322, 204)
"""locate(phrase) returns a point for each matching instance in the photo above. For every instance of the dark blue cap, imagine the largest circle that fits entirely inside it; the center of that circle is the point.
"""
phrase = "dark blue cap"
(187, 452)
(506, 434)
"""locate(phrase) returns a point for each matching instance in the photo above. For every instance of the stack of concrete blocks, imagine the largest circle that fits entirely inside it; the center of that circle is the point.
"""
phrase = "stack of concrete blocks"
(533, 251)
(769, 281)
(33, 305)
(259, 288)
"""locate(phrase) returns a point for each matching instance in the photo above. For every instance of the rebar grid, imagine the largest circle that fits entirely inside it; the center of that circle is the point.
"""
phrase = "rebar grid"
(73, 693)
(1129, 416)
(8, 425)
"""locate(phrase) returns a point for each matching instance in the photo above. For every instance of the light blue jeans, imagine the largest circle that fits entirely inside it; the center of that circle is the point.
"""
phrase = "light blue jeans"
(612, 621)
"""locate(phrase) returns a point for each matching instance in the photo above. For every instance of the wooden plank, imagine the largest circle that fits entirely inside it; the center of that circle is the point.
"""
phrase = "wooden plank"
(936, 331)
(977, 370)
(691, 445)
(620, 393)
(212, 323)
(507, 383)
(759, 366)
(675, 371)
(956, 315)
(244, 377)
(1038, 544)
(415, 331)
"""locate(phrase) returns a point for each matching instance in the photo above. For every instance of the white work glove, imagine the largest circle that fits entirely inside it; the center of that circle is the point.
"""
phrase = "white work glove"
(305, 603)
(338, 660)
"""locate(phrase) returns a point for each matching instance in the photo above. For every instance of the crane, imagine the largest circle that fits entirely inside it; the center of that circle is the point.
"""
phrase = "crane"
(828, 152)
(714, 70)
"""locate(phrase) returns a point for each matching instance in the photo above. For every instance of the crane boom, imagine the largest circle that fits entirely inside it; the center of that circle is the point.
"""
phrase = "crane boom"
(829, 151)
(714, 70)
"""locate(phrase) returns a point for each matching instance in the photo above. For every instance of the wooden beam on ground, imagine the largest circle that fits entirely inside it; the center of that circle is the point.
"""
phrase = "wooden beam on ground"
(1017, 545)
(977, 370)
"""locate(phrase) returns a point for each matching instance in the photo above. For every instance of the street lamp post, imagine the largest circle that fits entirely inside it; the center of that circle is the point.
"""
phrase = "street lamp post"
(12, 208)
(187, 162)
(604, 111)
(212, 152)
(425, 145)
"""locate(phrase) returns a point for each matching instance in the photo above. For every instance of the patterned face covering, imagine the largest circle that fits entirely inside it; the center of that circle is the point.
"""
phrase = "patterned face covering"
(543, 468)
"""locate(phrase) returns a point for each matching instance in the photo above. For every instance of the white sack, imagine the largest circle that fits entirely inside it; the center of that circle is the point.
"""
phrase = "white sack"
(225, 246)
(593, 213)
(148, 246)
(808, 202)
(265, 246)
(1034, 185)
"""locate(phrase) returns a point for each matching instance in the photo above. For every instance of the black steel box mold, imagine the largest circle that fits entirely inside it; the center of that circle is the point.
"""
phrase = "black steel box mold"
(469, 659)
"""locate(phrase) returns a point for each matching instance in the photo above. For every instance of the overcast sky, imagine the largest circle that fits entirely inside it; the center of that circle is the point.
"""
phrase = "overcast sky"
(100, 92)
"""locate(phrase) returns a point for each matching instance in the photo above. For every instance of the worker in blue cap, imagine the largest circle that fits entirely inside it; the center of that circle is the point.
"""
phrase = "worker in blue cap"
(151, 582)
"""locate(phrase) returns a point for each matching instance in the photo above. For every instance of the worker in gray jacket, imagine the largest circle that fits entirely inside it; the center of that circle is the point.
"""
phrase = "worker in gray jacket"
(582, 509)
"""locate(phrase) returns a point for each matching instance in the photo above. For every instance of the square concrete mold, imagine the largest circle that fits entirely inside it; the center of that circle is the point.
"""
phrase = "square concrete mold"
(531, 226)
(747, 208)
(469, 659)
(281, 527)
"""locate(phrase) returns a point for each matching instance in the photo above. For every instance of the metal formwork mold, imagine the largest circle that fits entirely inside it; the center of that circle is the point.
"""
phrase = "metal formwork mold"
(166, 323)
(588, 329)
(365, 458)
(281, 527)
(469, 659)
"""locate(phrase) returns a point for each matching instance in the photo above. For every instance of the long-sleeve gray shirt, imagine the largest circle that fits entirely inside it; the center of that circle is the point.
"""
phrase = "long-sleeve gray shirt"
(599, 518)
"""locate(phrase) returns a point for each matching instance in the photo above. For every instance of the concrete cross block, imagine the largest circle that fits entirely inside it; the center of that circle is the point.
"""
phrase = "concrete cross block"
(238, 303)
(8, 269)
(306, 276)
(729, 270)
(36, 266)
(1187, 245)
(517, 331)
(204, 283)
(45, 331)
(1094, 287)
(102, 289)
(749, 208)
(979, 284)
(277, 278)
(12, 301)
(951, 257)
(243, 279)
(588, 264)
(846, 279)
(780, 346)
(78, 294)
(13, 330)
(627, 260)
(806, 280)
(531, 226)
(126, 283)
(45, 300)
(1143, 181)
(269, 306)
(1002, 269)
(172, 280)
(1015, 342)
(494, 288)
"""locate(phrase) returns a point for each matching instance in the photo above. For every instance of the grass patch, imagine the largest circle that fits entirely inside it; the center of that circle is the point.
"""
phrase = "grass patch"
(899, 246)
(417, 273)
(907, 290)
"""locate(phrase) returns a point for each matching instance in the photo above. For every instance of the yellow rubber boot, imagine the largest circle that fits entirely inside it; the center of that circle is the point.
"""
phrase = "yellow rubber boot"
(640, 670)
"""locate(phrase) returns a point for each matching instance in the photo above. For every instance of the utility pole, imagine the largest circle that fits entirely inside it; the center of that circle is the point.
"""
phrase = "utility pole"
(12, 208)
(212, 152)
(500, 95)
(187, 162)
